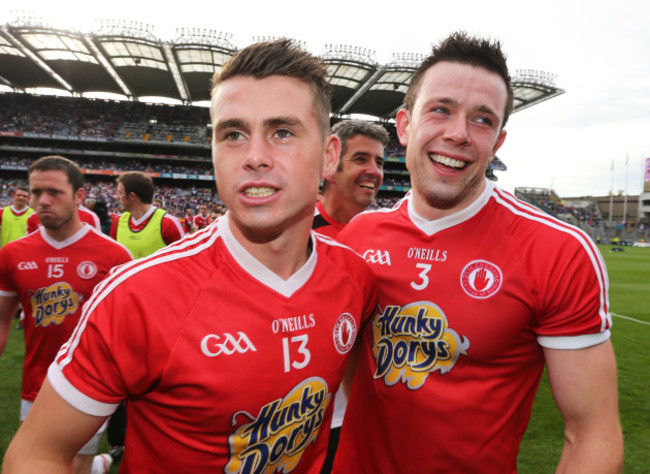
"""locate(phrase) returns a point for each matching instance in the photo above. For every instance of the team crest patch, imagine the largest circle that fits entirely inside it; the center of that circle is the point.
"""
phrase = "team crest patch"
(481, 279)
(86, 270)
(345, 333)
(274, 440)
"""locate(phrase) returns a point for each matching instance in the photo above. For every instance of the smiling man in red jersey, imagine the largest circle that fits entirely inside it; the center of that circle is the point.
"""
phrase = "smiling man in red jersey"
(358, 176)
(478, 291)
(228, 344)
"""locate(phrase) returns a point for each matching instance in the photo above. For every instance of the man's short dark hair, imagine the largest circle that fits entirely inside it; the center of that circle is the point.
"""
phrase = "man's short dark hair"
(282, 57)
(138, 183)
(59, 163)
(20, 187)
(461, 48)
(347, 129)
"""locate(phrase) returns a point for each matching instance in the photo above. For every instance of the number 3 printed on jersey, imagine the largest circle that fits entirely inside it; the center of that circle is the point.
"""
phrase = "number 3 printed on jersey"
(301, 355)
(423, 277)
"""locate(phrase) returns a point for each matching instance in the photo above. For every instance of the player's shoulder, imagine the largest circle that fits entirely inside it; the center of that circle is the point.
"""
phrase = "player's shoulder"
(339, 255)
(104, 241)
(524, 225)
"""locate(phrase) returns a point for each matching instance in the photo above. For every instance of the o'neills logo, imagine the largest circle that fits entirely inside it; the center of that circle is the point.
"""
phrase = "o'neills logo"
(345, 333)
(481, 279)
(276, 438)
(53, 304)
(412, 341)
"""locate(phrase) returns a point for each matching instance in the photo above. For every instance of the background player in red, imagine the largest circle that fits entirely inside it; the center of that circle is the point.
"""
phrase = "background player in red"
(52, 273)
(13, 218)
(478, 291)
(202, 219)
(142, 228)
(347, 192)
(358, 176)
(255, 310)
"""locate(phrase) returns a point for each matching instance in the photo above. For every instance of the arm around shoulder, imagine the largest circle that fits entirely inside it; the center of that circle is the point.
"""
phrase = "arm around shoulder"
(50, 436)
(583, 382)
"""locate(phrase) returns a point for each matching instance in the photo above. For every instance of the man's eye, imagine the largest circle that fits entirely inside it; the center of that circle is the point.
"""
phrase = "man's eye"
(484, 120)
(283, 133)
(232, 135)
(440, 110)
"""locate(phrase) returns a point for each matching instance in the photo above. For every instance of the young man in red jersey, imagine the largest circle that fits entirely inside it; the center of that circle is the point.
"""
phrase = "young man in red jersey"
(478, 292)
(229, 344)
(52, 273)
(202, 219)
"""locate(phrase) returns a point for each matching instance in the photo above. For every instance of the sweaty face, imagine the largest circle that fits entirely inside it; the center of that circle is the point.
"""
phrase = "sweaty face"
(53, 198)
(451, 135)
(268, 152)
(362, 170)
(21, 199)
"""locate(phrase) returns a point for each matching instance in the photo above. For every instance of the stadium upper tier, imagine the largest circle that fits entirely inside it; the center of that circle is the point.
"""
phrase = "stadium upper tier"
(126, 58)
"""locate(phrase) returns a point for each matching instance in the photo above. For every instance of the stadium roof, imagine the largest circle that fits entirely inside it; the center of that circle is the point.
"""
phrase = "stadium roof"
(126, 58)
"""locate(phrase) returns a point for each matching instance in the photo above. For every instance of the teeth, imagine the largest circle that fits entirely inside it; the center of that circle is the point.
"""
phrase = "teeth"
(445, 160)
(258, 192)
(370, 186)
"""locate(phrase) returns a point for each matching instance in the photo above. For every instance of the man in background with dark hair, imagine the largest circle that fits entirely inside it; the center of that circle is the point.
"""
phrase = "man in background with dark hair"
(229, 344)
(13, 218)
(142, 227)
(52, 273)
(478, 292)
(358, 176)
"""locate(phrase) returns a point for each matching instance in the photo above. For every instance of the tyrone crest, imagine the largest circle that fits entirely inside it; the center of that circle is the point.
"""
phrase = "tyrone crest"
(345, 333)
(481, 279)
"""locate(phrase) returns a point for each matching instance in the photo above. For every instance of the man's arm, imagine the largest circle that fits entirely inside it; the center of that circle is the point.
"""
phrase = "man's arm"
(583, 382)
(50, 436)
(8, 309)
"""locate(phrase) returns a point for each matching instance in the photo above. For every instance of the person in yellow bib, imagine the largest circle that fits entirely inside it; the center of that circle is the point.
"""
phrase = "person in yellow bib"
(142, 228)
(13, 218)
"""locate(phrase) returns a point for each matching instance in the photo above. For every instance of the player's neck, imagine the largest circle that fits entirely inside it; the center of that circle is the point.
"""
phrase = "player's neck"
(284, 252)
(65, 231)
(338, 208)
(139, 209)
(19, 209)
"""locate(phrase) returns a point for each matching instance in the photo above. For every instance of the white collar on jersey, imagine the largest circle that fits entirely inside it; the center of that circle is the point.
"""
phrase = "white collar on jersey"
(76, 237)
(436, 225)
(261, 273)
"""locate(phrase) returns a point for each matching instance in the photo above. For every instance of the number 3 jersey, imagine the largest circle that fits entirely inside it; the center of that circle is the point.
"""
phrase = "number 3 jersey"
(452, 359)
(53, 280)
(226, 366)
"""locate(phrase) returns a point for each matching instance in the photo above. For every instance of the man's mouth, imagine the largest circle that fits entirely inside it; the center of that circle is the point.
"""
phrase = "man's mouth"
(445, 160)
(369, 185)
(258, 191)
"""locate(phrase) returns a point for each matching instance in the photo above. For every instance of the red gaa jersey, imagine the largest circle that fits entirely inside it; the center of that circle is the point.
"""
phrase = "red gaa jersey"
(227, 368)
(200, 222)
(324, 224)
(453, 357)
(53, 280)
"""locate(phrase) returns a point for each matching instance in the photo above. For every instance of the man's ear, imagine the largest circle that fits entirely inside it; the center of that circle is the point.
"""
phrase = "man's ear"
(79, 196)
(332, 154)
(403, 120)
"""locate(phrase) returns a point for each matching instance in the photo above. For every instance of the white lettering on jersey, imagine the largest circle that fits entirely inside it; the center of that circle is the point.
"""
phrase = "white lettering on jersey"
(212, 348)
(27, 266)
(294, 323)
(433, 255)
(377, 256)
(57, 259)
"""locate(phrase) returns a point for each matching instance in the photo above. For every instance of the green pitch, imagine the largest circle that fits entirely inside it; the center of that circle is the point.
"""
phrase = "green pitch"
(629, 274)
(629, 290)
